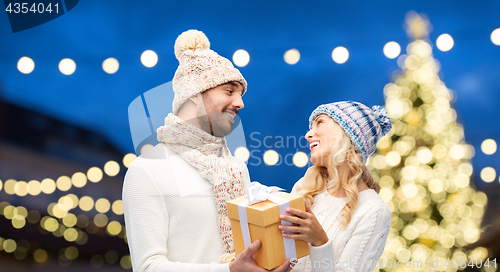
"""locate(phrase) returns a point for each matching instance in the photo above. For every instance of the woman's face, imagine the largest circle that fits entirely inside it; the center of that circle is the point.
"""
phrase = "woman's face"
(321, 140)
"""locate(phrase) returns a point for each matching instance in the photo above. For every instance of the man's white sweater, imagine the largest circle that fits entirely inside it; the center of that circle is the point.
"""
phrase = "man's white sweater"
(170, 214)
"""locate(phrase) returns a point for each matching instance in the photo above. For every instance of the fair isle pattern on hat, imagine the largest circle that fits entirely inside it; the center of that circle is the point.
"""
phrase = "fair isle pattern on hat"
(199, 68)
(363, 125)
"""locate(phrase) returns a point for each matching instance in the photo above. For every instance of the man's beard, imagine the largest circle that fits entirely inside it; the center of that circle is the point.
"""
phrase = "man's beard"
(216, 123)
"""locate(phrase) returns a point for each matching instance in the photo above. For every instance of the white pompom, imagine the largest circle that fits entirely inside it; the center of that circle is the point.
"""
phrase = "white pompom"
(190, 40)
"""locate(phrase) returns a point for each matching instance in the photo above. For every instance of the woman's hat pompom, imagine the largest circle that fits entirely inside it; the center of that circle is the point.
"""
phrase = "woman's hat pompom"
(382, 118)
(190, 40)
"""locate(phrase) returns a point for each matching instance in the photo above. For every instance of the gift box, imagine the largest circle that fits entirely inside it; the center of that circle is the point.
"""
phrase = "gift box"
(262, 219)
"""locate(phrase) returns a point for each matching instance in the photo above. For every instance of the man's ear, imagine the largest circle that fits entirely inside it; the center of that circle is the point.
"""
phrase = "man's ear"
(197, 99)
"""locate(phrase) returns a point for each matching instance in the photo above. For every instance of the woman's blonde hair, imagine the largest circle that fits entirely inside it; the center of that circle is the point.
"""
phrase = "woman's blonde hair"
(316, 178)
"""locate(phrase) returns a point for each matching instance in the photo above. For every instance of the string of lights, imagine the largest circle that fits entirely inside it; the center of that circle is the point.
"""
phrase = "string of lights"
(60, 216)
(22, 248)
(62, 223)
(68, 227)
(241, 57)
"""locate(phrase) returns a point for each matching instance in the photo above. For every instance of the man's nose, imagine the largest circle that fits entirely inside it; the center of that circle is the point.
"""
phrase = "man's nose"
(238, 102)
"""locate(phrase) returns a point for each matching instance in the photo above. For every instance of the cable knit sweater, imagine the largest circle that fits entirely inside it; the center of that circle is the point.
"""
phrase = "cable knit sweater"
(358, 247)
(170, 215)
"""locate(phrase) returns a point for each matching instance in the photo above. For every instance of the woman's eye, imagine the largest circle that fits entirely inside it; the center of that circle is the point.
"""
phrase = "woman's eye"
(230, 91)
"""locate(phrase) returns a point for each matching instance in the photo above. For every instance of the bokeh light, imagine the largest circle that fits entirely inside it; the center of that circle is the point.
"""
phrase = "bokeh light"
(457, 152)
(488, 174)
(114, 228)
(63, 183)
(149, 58)
(242, 153)
(489, 146)
(25, 65)
(22, 211)
(392, 50)
(82, 220)
(495, 36)
(9, 245)
(100, 220)
(59, 210)
(300, 159)
(86, 203)
(112, 168)
(9, 186)
(18, 221)
(71, 253)
(70, 200)
(292, 56)
(424, 155)
(69, 220)
(340, 54)
(70, 234)
(241, 58)
(67, 66)
(48, 186)
(9, 212)
(125, 262)
(79, 179)
(117, 207)
(392, 158)
(271, 157)
(111, 256)
(94, 174)
(110, 65)
(49, 224)
(21, 188)
(34, 187)
(40, 255)
(145, 148)
(128, 159)
(102, 205)
(444, 42)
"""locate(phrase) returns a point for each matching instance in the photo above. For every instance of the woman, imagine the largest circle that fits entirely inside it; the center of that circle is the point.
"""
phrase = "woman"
(347, 223)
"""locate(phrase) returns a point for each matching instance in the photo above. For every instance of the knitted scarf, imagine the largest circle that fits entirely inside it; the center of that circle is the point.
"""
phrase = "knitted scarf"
(212, 158)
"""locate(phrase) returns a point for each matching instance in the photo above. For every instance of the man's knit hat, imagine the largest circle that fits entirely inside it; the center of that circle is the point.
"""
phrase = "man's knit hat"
(199, 68)
(363, 125)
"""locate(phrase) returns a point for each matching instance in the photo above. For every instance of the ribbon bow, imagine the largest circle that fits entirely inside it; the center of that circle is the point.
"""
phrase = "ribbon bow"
(257, 192)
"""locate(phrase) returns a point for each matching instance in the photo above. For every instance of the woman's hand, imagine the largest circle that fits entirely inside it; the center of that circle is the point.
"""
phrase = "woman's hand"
(308, 229)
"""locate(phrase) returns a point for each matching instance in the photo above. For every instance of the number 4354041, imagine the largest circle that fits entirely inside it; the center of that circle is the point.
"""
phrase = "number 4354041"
(24, 8)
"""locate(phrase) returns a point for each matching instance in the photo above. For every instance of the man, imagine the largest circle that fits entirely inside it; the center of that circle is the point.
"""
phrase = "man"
(174, 197)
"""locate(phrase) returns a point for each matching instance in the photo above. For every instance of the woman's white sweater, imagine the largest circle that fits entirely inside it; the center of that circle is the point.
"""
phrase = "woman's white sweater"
(357, 248)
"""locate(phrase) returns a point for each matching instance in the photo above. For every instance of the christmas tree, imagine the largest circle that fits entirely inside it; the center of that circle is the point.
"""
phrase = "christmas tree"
(424, 170)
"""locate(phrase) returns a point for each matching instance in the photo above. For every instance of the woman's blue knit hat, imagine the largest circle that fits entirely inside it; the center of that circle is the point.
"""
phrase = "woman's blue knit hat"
(363, 125)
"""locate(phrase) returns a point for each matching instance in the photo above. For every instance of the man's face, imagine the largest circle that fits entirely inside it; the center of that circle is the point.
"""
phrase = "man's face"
(222, 104)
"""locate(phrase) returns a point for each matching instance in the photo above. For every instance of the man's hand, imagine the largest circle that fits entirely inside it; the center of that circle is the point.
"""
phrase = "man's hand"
(245, 262)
